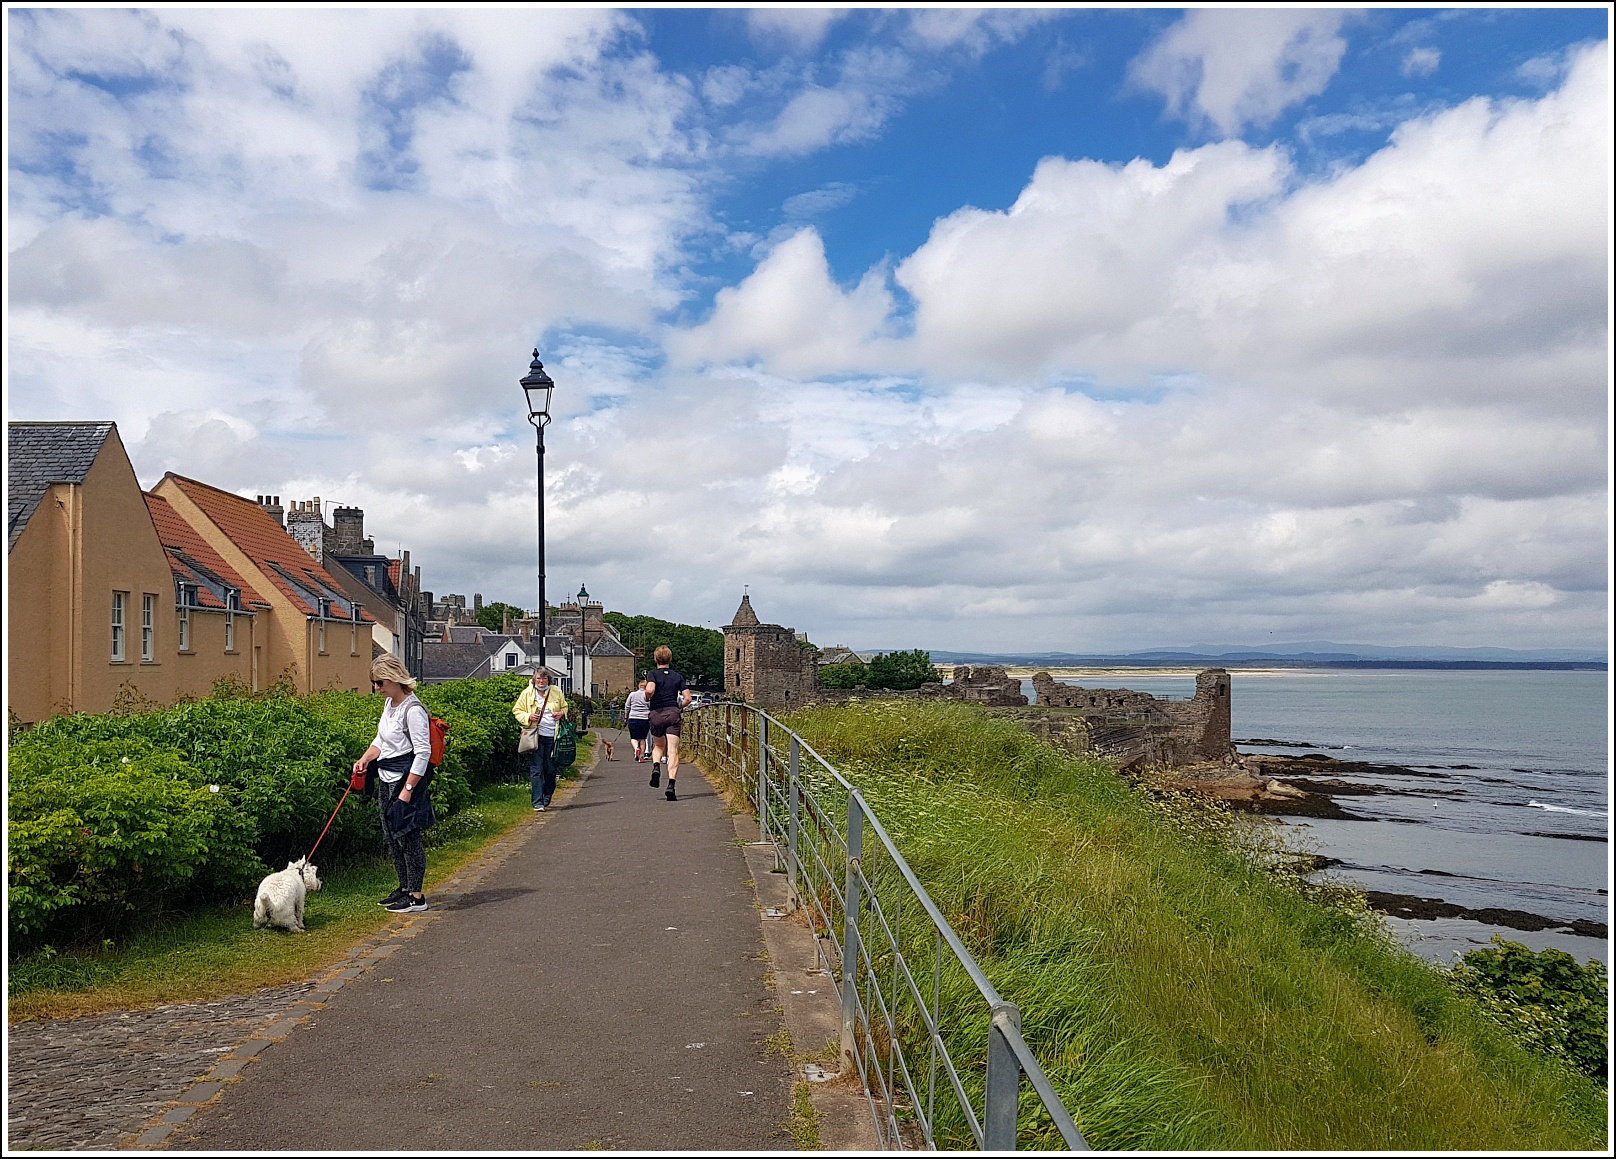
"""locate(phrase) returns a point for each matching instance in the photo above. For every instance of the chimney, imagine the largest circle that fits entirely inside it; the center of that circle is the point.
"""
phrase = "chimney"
(476, 602)
(272, 506)
(348, 527)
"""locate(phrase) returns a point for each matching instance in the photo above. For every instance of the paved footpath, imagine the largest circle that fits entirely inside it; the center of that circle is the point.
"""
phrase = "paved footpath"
(601, 986)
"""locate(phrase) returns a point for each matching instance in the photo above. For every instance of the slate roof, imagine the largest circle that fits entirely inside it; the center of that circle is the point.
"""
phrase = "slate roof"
(461, 634)
(39, 454)
(194, 562)
(607, 646)
(442, 661)
(277, 555)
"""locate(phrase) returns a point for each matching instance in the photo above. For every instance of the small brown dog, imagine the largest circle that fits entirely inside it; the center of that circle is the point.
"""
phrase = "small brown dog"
(608, 745)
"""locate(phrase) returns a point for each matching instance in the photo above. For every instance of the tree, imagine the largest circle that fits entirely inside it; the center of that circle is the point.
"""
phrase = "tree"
(844, 675)
(895, 670)
(492, 616)
(901, 670)
(697, 652)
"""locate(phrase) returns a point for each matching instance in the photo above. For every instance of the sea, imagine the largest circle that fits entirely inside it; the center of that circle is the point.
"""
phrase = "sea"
(1504, 804)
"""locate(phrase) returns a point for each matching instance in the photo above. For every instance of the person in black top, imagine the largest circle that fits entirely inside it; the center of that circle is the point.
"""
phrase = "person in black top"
(666, 691)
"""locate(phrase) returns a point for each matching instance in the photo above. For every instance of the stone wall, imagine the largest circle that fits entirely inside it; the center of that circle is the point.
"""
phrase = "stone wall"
(765, 665)
(1137, 728)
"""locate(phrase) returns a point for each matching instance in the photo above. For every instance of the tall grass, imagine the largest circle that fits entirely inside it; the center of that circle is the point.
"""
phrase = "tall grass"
(1179, 995)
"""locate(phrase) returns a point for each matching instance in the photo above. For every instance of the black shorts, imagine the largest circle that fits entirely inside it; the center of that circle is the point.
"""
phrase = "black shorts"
(665, 721)
(637, 729)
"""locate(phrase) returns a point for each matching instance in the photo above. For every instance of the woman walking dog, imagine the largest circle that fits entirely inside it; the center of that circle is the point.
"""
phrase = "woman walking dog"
(401, 752)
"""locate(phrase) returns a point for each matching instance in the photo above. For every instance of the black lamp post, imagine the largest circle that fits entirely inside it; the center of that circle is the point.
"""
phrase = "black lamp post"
(537, 386)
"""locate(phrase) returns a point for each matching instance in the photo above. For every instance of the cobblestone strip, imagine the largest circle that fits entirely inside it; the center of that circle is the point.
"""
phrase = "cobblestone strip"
(130, 1079)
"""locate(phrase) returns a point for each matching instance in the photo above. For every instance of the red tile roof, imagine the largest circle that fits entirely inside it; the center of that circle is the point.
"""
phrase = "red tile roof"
(187, 550)
(395, 571)
(264, 541)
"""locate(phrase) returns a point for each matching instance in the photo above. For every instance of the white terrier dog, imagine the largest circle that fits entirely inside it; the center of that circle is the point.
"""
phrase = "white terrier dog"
(280, 896)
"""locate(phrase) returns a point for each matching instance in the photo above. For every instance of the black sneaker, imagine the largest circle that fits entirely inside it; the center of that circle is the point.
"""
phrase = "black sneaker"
(391, 898)
(408, 905)
(656, 774)
(670, 793)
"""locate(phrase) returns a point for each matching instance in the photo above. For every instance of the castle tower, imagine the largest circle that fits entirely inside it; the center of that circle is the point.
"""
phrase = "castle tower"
(764, 664)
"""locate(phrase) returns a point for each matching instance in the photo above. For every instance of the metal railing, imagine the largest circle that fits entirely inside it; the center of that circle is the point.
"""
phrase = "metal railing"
(939, 1052)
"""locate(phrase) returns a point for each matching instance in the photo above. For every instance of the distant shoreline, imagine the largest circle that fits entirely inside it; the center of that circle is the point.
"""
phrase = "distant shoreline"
(1182, 668)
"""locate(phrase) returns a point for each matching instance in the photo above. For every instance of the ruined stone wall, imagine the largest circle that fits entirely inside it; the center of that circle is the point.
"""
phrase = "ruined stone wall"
(986, 685)
(1135, 727)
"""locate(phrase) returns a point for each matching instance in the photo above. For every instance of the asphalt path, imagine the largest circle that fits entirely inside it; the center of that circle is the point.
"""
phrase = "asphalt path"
(604, 987)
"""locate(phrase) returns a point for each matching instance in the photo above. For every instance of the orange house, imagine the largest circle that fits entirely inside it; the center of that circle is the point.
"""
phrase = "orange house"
(314, 633)
(110, 590)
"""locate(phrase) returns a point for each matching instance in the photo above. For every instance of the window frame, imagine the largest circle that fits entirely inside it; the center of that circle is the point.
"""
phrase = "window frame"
(120, 613)
(184, 619)
(148, 628)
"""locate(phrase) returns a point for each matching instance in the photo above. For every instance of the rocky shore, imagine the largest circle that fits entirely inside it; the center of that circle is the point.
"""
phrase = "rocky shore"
(1307, 786)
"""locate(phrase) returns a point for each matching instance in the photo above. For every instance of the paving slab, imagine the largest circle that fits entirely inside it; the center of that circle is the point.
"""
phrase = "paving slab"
(602, 987)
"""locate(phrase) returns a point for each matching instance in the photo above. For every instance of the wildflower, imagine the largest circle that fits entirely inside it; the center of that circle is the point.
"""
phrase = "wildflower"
(213, 788)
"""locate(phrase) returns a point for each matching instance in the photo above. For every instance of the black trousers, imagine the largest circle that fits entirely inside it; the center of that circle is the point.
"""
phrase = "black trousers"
(542, 777)
(407, 849)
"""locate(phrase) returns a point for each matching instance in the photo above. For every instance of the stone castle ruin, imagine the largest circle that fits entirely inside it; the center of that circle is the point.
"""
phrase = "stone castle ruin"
(777, 669)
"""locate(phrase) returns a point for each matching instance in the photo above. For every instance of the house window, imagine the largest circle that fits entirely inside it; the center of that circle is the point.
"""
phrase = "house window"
(229, 631)
(148, 628)
(185, 629)
(120, 601)
(353, 640)
(510, 659)
(322, 637)
(737, 653)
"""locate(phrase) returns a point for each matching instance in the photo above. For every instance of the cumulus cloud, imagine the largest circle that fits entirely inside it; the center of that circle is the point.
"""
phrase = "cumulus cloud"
(1147, 403)
(1233, 67)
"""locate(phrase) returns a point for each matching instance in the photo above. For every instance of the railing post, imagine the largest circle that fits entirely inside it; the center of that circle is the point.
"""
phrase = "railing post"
(791, 831)
(763, 778)
(1004, 1081)
(850, 930)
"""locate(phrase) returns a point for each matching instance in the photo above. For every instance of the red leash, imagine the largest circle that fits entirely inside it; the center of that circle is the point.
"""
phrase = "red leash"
(327, 828)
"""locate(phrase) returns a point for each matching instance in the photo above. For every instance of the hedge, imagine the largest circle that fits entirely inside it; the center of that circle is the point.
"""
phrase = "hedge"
(117, 818)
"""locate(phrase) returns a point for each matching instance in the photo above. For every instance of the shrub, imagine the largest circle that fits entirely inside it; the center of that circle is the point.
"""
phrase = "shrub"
(118, 817)
(1548, 1000)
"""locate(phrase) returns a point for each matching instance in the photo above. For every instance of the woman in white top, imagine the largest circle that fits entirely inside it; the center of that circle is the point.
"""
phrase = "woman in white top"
(638, 710)
(401, 751)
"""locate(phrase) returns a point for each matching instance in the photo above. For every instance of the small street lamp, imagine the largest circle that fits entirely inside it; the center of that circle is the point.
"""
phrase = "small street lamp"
(538, 387)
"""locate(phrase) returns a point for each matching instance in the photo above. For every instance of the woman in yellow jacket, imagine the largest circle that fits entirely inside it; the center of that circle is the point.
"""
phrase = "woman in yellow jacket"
(543, 707)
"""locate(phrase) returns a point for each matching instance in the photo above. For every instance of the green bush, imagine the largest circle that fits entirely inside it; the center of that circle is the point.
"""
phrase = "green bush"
(110, 829)
(1548, 1000)
(115, 818)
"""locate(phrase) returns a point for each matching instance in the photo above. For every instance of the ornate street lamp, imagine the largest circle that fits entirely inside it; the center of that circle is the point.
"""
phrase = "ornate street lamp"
(538, 387)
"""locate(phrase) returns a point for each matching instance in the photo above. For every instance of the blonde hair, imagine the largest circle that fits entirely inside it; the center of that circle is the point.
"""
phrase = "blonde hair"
(390, 667)
(663, 654)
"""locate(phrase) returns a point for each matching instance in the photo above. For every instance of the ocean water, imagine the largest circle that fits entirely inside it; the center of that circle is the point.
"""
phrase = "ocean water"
(1505, 804)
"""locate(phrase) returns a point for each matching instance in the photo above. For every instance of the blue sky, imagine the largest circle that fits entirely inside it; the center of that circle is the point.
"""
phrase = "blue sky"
(1007, 329)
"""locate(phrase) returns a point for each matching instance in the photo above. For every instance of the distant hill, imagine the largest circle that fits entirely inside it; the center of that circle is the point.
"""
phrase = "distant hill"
(1313, 654)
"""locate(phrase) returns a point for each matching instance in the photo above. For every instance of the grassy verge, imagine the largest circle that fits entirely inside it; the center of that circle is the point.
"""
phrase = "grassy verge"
(1179, 996)
(215, 952)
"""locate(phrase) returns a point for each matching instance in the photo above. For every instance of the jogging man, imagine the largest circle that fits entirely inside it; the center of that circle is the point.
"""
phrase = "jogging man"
(666, 688)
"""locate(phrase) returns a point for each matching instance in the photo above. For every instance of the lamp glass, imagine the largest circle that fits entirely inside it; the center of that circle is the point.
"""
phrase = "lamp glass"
(538, 386)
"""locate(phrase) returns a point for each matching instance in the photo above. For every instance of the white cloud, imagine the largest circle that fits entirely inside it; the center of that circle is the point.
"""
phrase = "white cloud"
(1198, 399)
(800, 28)
(790, 314)
(1234, 67)
(1421, 61)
